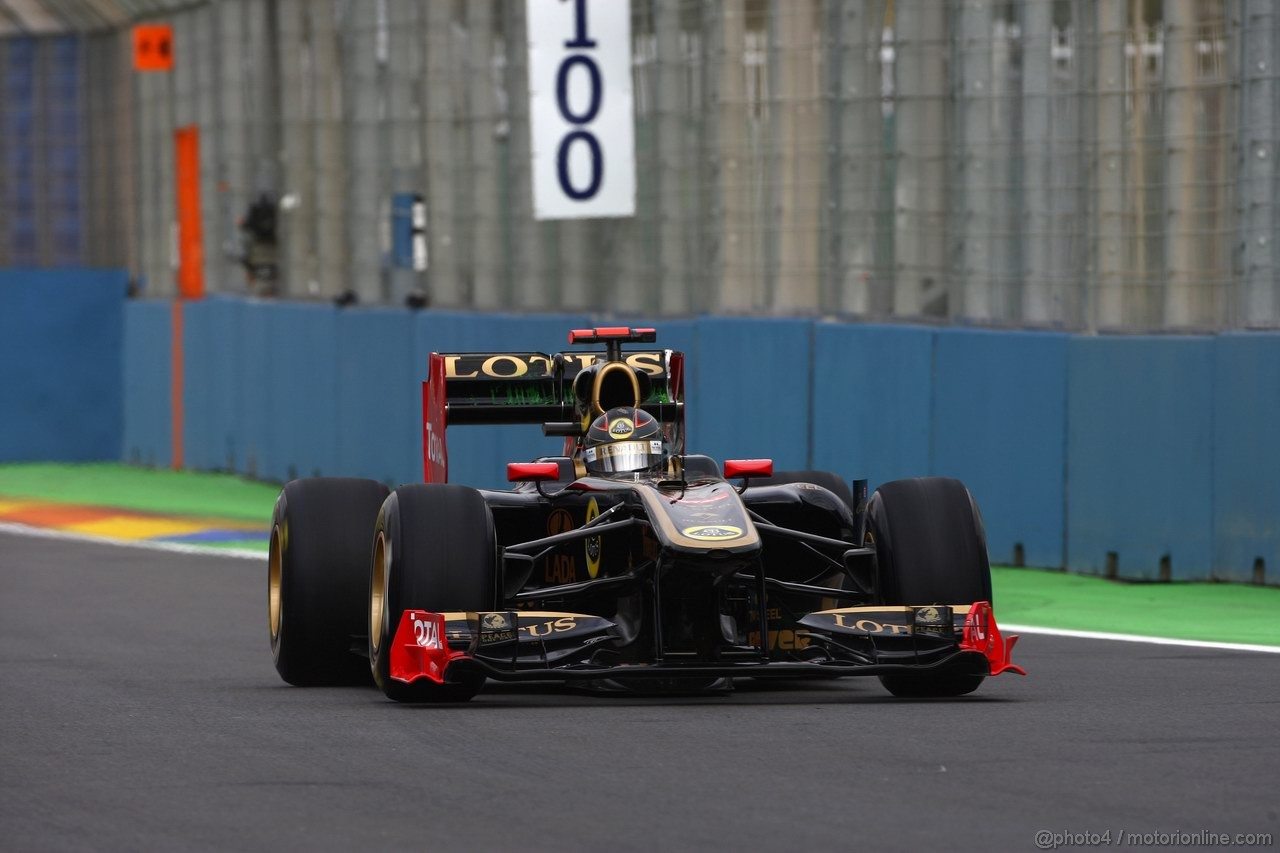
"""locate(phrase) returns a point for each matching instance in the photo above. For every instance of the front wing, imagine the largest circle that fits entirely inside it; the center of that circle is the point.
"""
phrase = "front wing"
(557, 646)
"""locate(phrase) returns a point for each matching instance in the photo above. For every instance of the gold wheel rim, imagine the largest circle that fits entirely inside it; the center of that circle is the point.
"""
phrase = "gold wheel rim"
(377, 590)
(275, 561)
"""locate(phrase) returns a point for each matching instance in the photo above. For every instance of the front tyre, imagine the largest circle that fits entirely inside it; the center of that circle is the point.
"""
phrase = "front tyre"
(931, 548)
(434, 549)
(319, 549)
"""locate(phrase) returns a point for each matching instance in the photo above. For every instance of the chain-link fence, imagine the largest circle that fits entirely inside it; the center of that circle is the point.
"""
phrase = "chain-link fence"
(1064, 163)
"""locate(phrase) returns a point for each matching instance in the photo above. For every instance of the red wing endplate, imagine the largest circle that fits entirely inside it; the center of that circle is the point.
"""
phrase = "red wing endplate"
(435, 455)
(420, 648)
(982, 634)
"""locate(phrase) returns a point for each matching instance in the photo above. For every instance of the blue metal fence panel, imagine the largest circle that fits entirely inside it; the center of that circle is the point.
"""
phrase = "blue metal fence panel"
(1139, 451)
(254, 380)
(212, 353)
(61, 364)
(872, 400)
(999, 416)
(148, 346)
(682, 336)
(1246, 456)
(753, 396)
(200, 369)
(378, 396)
(301, 370)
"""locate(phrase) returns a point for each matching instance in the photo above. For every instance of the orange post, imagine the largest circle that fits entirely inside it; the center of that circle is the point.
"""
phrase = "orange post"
(190, 267)
(190, 233)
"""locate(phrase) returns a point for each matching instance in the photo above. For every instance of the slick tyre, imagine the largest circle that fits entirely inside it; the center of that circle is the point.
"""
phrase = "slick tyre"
(931, 548)
(317, 567)
(434, 549)
(828, 480)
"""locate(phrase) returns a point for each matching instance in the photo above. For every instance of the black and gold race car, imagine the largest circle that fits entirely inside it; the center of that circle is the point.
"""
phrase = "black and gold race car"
(625, 563)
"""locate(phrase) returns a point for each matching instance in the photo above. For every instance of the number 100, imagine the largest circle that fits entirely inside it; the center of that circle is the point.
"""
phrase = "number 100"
(580, 119)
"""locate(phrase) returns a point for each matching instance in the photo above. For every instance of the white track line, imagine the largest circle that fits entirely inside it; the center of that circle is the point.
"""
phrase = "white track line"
(245, 554)
(1134, 638)
(147, 544)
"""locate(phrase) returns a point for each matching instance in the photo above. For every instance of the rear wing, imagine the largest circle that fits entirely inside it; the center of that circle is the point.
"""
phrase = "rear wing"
(560, 391)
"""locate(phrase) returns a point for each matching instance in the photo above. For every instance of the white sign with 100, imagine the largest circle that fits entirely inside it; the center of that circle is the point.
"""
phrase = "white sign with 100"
(581, 116)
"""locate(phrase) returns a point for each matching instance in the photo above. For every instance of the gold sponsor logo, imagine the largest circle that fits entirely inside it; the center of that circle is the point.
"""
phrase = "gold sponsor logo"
(561, 567)
(649, 362)
(713, 532)
(645, 362)
(499, 366)
(593, 545)
(621, 428)
(785, 640)
(496, 628)
(933, 621)
(551, 626)
(871, 626)
(516, 365)
(650, 548)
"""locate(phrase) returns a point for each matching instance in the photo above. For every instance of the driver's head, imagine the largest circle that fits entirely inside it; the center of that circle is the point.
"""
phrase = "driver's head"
(624, 440)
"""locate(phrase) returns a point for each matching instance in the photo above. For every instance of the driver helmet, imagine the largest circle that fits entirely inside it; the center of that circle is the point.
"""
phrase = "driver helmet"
(625, 440)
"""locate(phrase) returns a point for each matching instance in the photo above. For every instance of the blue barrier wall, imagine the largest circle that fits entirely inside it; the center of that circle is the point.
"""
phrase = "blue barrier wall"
(872, 400)
(379, 401)
(999, 424)
(61, 351)
(1075, 446)
(302, 375)
(148, 347)
(1140, 454)
(1246, 455)
(752, 400)
(214, 390)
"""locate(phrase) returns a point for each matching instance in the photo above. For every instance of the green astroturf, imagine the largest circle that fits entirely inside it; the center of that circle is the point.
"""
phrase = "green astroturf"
(1218, 612)
(141, 489)
(1230, 613)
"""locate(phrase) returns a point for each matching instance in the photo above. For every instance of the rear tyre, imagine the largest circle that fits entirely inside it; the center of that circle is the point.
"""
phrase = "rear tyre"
(434, 549)
(931, 548)
(316, 571)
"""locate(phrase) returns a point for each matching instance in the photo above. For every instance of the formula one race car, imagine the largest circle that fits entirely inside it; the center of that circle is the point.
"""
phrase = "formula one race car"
(625, 563)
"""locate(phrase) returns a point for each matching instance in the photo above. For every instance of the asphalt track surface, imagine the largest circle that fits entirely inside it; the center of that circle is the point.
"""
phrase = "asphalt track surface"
(139, 711)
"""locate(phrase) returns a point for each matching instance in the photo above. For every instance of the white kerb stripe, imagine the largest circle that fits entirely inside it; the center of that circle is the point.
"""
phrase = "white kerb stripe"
(1134, 638)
